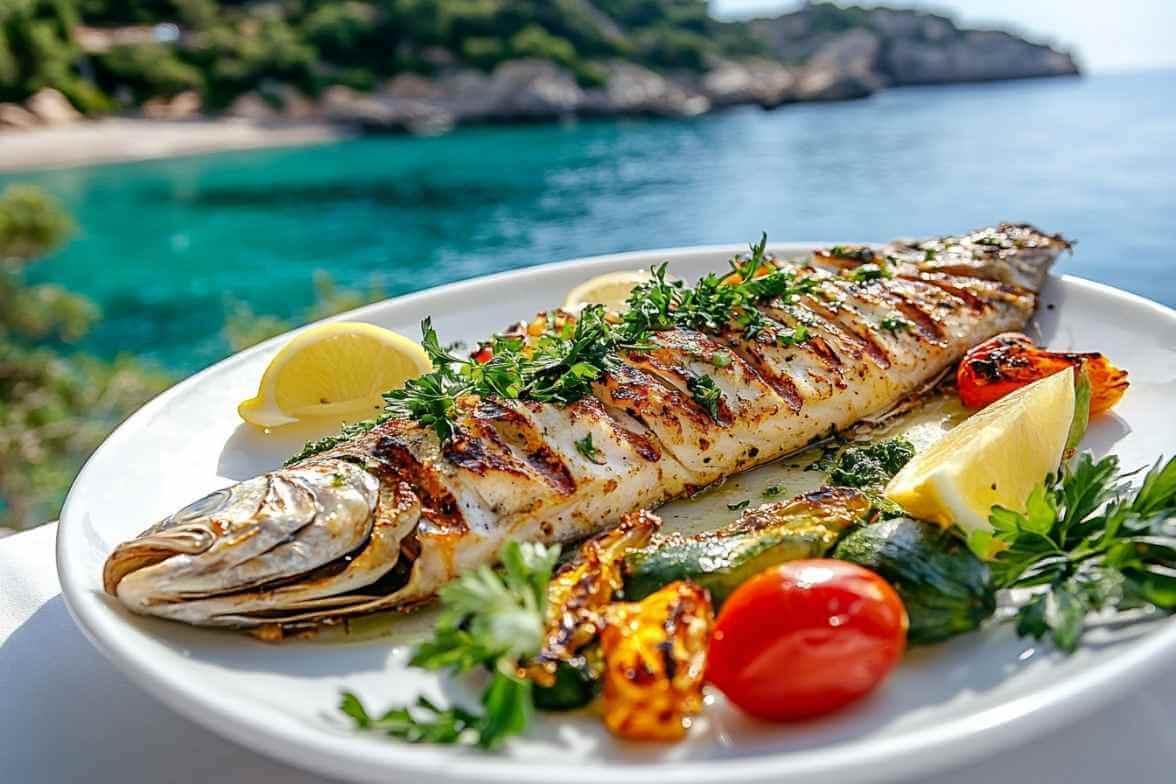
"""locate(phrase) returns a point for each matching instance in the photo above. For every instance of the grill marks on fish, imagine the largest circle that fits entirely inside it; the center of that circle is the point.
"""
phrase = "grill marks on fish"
(384, 520)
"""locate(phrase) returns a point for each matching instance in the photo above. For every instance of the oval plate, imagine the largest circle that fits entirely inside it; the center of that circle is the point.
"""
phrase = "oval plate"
(971, 697)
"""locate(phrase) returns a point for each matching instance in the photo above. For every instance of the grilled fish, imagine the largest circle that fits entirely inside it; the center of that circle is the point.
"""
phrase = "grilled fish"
(383, 520)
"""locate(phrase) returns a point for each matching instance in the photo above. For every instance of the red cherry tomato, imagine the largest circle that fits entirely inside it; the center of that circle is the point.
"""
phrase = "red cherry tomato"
(483, 355)
(806, 638)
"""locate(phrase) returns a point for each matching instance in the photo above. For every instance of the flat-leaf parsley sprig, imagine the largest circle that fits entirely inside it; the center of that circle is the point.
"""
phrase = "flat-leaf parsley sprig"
(1087, 543)
(489, 618)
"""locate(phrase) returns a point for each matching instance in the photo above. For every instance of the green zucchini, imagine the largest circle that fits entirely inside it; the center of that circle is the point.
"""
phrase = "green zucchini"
(946, 589)
(575, 686)
(804, 527)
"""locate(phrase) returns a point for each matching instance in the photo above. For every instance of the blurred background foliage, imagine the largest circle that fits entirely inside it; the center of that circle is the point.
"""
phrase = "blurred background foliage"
(225, 48)
(57, 404)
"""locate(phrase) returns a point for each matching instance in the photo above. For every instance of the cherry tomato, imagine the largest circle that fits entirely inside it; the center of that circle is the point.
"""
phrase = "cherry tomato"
(1010, 361)
(483, 355)
(806, 638)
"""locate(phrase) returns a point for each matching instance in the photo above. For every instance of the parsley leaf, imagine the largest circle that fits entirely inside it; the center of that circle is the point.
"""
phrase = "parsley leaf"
(795, 336)
(489, 618)
(868, 272)
(706, 393)
(585, 447)
(746, 502)
(1086, 543)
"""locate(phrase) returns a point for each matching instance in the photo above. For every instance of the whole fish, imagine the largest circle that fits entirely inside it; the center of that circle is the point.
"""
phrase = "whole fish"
(383, 520)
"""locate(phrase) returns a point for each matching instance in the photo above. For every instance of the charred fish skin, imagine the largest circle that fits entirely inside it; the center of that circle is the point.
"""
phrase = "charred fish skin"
(385, 519)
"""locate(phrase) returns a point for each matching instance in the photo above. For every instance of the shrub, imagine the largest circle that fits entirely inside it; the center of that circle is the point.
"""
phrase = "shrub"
(149, 70)
(534, 41)
(55, 407)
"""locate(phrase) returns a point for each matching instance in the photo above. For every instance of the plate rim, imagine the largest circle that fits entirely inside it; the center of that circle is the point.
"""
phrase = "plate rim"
(295, 741)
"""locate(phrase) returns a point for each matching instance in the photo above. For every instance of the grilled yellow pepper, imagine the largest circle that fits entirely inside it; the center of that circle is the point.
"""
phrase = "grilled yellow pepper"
(655, 658)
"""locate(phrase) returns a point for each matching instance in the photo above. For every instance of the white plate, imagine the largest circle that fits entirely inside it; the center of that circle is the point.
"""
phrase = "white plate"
(974, 696)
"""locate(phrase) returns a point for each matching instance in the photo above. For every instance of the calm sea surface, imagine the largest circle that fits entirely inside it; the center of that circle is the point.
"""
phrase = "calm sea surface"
(164, 245)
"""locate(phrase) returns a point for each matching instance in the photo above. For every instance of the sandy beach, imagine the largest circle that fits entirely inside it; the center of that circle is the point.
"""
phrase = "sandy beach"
(125, 139)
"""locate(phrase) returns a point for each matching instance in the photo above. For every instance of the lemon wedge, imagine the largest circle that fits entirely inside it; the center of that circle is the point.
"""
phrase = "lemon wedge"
(996, 456)
(611, 290)
(337, 370)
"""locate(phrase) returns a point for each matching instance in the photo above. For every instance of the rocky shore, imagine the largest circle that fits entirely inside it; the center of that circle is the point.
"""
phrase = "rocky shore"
(814, 57)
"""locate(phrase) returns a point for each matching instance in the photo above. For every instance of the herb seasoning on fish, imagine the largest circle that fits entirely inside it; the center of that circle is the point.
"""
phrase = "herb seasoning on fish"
(872, 465)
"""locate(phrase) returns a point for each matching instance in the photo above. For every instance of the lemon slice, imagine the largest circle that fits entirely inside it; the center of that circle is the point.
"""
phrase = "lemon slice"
(334, 370)
(610, 290)
(996, 456)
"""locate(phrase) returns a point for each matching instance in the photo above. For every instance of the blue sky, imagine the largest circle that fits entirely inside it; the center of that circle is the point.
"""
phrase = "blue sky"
(1120, 35)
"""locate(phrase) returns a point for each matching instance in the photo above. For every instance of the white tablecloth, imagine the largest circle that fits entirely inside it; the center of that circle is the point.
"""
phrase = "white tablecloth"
(66, 715)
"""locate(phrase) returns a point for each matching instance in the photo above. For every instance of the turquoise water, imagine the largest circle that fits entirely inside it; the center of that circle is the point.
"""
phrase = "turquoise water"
(164, 243)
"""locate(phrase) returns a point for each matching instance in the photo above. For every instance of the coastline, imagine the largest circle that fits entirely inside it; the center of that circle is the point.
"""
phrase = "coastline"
(123, 140)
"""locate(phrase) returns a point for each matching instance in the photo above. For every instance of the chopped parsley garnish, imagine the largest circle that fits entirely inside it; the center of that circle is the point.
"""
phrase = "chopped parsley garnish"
(560, 365)
(793, 337)
(871, 466)
(706, 393)
(1087, 544)
(556, 367)
(868, 272)
(740, 505)
(585, 447)
(774, 491)
(895, 324)
(489, 619)
(857, 252)
(716, 300)
(344, 435)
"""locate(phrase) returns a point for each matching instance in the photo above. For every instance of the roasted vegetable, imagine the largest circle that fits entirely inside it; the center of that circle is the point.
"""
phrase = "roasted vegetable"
(805, 527)
(655, 657)
(573, 685)
(1008, 362)
(946, 589)
(576, 596)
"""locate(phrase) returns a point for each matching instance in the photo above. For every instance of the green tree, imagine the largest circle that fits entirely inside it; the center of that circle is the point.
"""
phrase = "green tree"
(534, 41)
(148, 70)
(56, 406)
(37, 50)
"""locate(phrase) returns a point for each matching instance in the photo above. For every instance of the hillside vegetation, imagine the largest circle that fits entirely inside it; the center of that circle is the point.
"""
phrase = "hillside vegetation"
(108, 55)
(227, 48)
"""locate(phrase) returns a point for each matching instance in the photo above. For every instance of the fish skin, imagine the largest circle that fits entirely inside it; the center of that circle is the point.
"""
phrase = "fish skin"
(382, 521)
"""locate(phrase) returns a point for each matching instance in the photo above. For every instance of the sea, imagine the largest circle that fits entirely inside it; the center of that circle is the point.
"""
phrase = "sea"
(167, 247)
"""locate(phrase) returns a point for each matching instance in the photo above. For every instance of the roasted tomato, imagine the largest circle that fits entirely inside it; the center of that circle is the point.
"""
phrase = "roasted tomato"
(806, 638)
(655, 657)
(1010, 361)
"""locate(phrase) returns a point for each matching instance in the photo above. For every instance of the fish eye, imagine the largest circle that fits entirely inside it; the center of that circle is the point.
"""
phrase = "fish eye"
(202, 507)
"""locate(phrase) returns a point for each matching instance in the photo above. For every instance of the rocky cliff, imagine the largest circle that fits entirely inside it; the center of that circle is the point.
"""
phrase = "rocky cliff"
(855, 51)
(820, 52)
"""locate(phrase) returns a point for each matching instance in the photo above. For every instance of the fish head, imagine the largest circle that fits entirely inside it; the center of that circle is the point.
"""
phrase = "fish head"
(253, 535)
